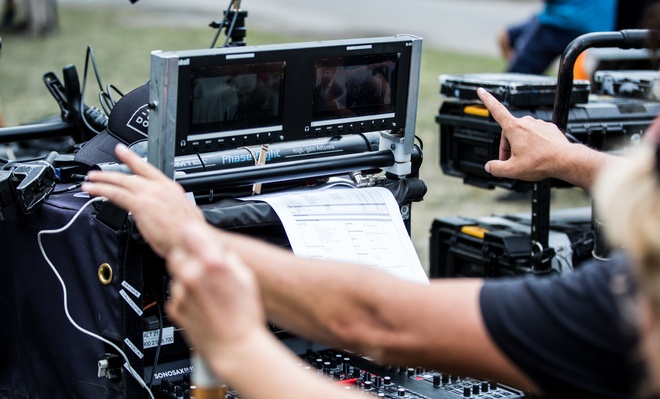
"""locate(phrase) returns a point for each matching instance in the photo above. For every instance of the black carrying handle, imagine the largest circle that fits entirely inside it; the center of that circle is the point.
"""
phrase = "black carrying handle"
(624, 39)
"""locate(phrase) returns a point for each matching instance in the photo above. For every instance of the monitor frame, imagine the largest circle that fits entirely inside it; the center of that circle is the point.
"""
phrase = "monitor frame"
(295, 70)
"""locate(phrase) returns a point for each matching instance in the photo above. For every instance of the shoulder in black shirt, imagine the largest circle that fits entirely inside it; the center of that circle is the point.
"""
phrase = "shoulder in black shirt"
(574, 335)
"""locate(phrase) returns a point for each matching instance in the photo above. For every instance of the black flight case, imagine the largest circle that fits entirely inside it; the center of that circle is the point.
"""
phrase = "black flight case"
(500, 245)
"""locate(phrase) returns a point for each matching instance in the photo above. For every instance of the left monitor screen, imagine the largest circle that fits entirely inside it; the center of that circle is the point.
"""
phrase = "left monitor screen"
(230, 98)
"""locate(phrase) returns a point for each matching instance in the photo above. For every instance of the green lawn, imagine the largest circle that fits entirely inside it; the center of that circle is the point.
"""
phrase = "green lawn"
(122, 40)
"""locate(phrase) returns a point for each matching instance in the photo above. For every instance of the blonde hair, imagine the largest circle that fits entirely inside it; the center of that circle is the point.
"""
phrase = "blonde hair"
(628, 200)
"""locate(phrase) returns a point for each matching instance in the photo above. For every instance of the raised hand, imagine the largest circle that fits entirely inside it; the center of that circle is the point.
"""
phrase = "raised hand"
(158, 204)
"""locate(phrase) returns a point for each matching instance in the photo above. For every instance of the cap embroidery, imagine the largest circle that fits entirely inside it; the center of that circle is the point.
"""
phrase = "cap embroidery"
(139, 121)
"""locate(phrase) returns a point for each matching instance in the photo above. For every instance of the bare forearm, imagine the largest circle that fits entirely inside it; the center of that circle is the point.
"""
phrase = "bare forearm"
(580, 165)
(310, 297)
(370, 312)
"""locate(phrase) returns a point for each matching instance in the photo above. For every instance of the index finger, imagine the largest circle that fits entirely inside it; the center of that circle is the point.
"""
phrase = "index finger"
(500, 113)
(137, 165)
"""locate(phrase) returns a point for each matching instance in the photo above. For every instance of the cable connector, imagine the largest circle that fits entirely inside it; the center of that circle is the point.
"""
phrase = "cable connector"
(368, 180)
(110, 366)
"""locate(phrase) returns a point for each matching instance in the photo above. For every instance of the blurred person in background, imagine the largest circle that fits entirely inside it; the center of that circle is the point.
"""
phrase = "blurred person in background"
(533, 45)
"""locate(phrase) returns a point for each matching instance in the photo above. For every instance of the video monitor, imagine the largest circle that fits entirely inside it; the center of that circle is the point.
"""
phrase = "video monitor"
(227, 98)
(354, 88)
(230, 98)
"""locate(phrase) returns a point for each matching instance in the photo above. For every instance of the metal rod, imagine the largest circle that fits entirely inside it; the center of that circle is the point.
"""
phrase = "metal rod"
(287, 171)
(36, 131)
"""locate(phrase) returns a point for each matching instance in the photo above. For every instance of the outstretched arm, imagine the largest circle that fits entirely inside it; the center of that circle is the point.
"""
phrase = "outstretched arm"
(355, 307)
(533, 150)
(437, 326)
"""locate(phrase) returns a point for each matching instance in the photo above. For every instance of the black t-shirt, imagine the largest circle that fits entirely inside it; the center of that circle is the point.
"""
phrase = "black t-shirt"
(575, 335)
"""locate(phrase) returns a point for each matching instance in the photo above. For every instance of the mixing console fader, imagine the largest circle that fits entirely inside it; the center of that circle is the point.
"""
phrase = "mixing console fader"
(356, 373)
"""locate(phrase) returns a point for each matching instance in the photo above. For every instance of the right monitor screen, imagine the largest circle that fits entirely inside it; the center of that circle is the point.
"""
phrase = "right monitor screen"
(353, 87)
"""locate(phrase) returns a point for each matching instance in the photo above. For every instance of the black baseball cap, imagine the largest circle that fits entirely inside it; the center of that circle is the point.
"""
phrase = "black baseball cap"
(128, 123)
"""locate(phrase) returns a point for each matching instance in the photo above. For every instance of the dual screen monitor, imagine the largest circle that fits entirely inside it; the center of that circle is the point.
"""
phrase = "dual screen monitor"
(225, 98)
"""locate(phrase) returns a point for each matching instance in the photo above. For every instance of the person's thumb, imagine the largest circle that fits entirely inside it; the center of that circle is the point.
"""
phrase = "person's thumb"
(496, 168)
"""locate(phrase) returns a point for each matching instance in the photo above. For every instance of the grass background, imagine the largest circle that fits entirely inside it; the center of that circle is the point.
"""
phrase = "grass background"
(122, 39)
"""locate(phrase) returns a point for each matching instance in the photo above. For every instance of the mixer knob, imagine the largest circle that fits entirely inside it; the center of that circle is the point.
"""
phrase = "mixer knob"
(467, 392)
(484, 386)
(377, 381)
(387, 380)
(401, 392)
(436, 380)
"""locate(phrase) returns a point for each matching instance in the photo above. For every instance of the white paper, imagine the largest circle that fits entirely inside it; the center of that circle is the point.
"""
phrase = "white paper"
(348, 224)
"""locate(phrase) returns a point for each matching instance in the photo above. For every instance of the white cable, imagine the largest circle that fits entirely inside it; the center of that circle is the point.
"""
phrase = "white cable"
(127, 364)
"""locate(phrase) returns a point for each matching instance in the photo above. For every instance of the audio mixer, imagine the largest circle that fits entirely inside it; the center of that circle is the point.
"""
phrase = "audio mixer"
(357, 373)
